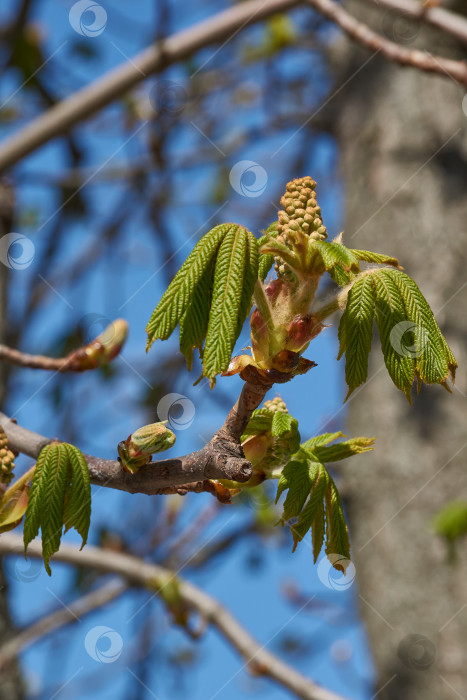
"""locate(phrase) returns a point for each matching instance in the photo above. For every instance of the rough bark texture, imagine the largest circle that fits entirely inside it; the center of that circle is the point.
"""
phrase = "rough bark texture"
(10, 682)
(402, 137)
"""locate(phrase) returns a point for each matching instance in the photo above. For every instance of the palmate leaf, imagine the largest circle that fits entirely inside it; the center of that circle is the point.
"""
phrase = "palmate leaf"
(412, 343)
(313, 500)
(60, 495)
(210, 297)
(235, 273)
(356, 330)
(178, 295)
(312, 497)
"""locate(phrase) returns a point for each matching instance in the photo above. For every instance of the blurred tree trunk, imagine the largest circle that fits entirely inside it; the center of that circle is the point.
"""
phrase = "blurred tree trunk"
(402, 137)
(11, 687)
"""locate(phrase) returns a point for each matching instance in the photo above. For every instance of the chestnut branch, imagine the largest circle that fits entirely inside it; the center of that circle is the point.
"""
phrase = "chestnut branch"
(221, 458)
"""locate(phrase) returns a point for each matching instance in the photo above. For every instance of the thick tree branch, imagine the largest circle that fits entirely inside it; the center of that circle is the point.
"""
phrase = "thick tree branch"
(221, 458)
(72, 613)
(373, 41)
(138, 572)
(85, 102)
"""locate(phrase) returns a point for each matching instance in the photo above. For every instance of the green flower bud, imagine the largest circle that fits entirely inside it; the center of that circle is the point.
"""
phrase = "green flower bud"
(152, 438)
(131, 464)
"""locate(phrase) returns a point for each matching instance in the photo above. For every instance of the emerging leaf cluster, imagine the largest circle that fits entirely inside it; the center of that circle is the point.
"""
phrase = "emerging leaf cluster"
(210, 297)
(60, 496)
(281, 437)
(312, 500)
(412, 343)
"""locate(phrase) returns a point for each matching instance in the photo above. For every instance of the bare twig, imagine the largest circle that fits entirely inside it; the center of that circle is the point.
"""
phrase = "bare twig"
(449, 22)
(84, 103)
(221, 458)
(373, 41)
(72, 613)
(101, 350)
(138, 572)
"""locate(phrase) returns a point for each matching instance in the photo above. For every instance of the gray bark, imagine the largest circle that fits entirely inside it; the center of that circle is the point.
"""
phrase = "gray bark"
(402, 137)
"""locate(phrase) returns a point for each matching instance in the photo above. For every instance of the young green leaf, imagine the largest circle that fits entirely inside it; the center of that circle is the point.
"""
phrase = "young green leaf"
(337, 535)
(318, 530)
(333, 253)
(298, 476)
(194, 322)
(266, 261)
(433, 357)
(391, 321)
(260, 422)
(283, 424)
(312, 515)
(178, 295)
(227, 298)
(357, 331)
(60, 495)
(320, 440)
(379, 258)
(77, 512)
(251, 276)
(341, 450)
